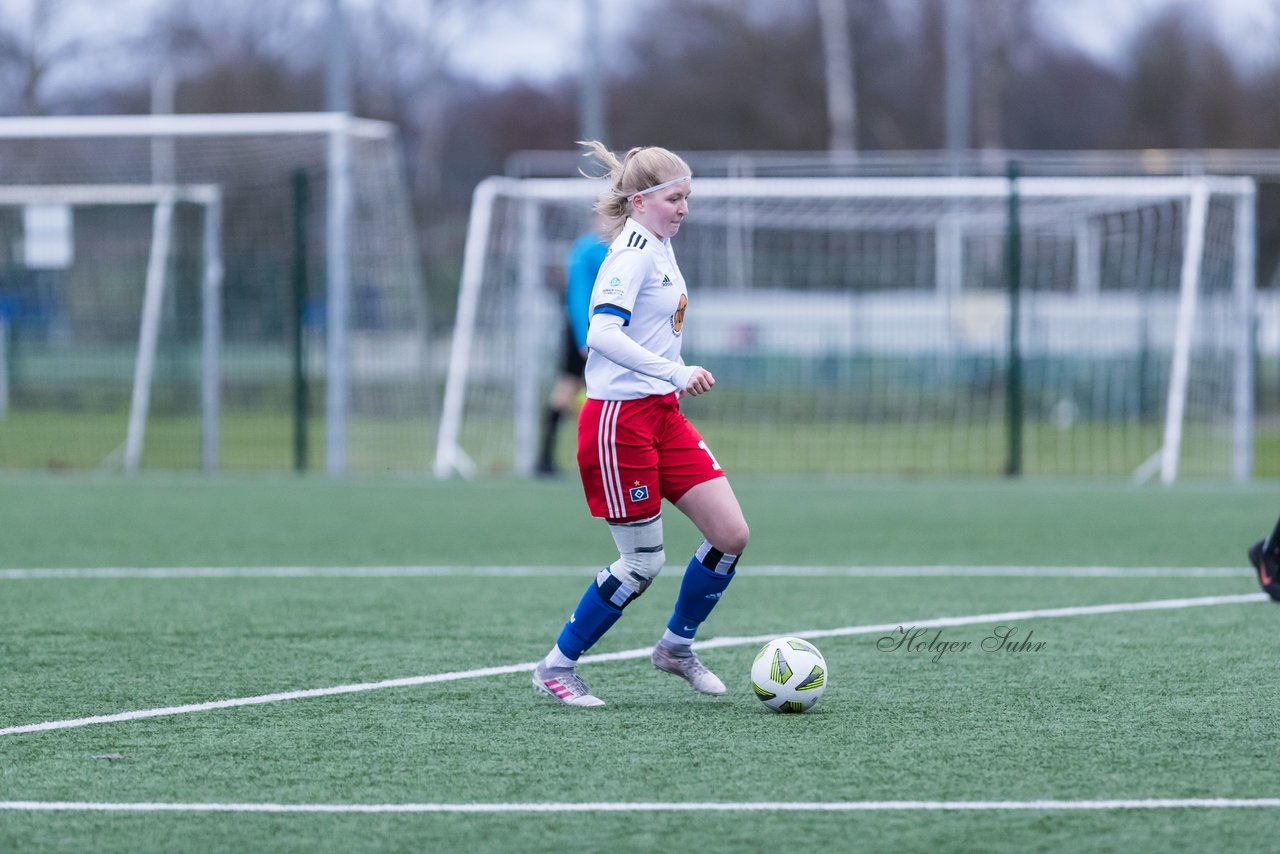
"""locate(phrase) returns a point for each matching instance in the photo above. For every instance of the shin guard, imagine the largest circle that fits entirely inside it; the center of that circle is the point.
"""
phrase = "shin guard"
(700, 590)
(591, 619)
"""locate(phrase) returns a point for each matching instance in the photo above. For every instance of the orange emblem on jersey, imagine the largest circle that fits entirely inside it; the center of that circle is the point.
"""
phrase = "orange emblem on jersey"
(677, 319)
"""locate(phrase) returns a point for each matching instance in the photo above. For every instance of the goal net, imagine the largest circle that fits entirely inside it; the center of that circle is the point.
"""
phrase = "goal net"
(878, 326)
(222, 291)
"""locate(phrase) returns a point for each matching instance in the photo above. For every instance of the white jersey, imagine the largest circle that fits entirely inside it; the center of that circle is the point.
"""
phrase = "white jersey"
(641, 284)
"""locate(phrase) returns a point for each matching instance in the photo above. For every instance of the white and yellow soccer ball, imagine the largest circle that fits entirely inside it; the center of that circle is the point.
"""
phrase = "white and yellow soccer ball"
(789, 675)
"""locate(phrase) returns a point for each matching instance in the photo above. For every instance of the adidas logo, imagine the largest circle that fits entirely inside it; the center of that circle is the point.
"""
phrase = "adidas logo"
(714, 595)
(666, 281)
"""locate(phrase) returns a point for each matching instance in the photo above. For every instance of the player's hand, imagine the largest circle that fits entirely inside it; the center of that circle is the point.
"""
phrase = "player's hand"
(701, 382)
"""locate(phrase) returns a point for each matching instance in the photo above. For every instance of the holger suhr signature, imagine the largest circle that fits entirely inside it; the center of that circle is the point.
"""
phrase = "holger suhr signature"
(1007, 639)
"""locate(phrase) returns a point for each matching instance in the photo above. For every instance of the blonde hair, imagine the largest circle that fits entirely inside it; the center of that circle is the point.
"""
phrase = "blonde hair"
(639, 170)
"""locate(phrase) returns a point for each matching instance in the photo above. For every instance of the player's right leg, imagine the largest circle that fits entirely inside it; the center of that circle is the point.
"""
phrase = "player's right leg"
(610, 445)
(640, 559)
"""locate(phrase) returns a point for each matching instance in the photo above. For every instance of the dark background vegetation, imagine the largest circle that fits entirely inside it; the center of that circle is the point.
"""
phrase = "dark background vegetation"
(688, 74)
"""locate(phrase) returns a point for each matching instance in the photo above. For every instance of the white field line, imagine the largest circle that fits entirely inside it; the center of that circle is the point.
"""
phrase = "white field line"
(941, 571)
(683, 806)
(1007, 616)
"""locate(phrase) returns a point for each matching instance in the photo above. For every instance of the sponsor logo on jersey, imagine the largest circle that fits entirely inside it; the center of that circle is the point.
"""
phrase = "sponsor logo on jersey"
(639, 493)
(666, 281)
(614, 288)
(677, 319)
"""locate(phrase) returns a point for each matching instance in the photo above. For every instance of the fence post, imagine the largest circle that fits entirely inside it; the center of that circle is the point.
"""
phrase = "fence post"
(300, 407)
(1013, 279)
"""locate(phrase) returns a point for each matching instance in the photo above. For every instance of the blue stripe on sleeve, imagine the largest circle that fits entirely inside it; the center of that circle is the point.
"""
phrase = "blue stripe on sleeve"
(615, 310)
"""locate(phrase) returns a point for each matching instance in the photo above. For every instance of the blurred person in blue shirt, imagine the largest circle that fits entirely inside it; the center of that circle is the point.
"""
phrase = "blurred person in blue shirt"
(581, 265)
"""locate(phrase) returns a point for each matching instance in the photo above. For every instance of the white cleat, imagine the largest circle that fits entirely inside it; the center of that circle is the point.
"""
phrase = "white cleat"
(688, 668)
(565, 685)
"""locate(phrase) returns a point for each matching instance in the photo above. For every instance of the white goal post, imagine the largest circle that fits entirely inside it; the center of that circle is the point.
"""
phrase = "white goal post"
(862, 325)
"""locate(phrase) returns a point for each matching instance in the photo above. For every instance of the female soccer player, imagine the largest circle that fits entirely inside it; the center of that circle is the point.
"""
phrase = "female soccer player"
(635, 448)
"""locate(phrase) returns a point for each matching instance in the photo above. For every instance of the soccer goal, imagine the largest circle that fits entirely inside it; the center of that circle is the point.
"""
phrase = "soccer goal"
(882, 325)
(49, 210)
(209, 291)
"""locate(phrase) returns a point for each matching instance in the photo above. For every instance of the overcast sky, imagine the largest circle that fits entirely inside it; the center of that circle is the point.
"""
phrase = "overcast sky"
(542, 39)
(547, 42)
(1102, 27)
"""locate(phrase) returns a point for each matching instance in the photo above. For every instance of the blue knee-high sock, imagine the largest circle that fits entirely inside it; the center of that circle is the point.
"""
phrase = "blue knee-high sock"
(591, 619)
(700, 590)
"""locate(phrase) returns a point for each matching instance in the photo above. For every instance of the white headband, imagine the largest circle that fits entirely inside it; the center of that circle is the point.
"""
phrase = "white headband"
(656, 187)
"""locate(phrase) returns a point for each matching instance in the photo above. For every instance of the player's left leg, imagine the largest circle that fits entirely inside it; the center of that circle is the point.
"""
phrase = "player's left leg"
(713, 508)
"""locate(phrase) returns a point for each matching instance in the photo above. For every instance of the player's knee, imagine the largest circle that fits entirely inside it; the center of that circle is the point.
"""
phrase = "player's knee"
(732, 538)
(625, 579)
(640, 567)
(640, 553)
(614, 590)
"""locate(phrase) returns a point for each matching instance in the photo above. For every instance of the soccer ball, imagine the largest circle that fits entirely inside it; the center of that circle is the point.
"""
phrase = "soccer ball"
(789, 675)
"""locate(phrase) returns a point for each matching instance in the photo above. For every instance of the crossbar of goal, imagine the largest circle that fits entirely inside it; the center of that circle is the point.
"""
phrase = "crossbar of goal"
(562, 189)
(192, 124)
(107, 194)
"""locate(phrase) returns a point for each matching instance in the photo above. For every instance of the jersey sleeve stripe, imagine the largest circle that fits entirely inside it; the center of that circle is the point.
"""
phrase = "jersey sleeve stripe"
(615, 310)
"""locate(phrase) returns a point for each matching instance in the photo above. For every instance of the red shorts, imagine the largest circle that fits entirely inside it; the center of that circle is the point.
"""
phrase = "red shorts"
(634, 453)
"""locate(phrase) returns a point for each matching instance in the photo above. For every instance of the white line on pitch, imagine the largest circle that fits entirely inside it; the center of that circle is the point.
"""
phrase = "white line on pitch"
(679, 806)
(943, 571)
(939, 622)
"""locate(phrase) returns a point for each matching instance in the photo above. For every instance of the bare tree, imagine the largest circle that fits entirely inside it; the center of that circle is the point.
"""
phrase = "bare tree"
(1006, 41)
(1181, 84)
(234, 56)
(36, 42)
(401, 62)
